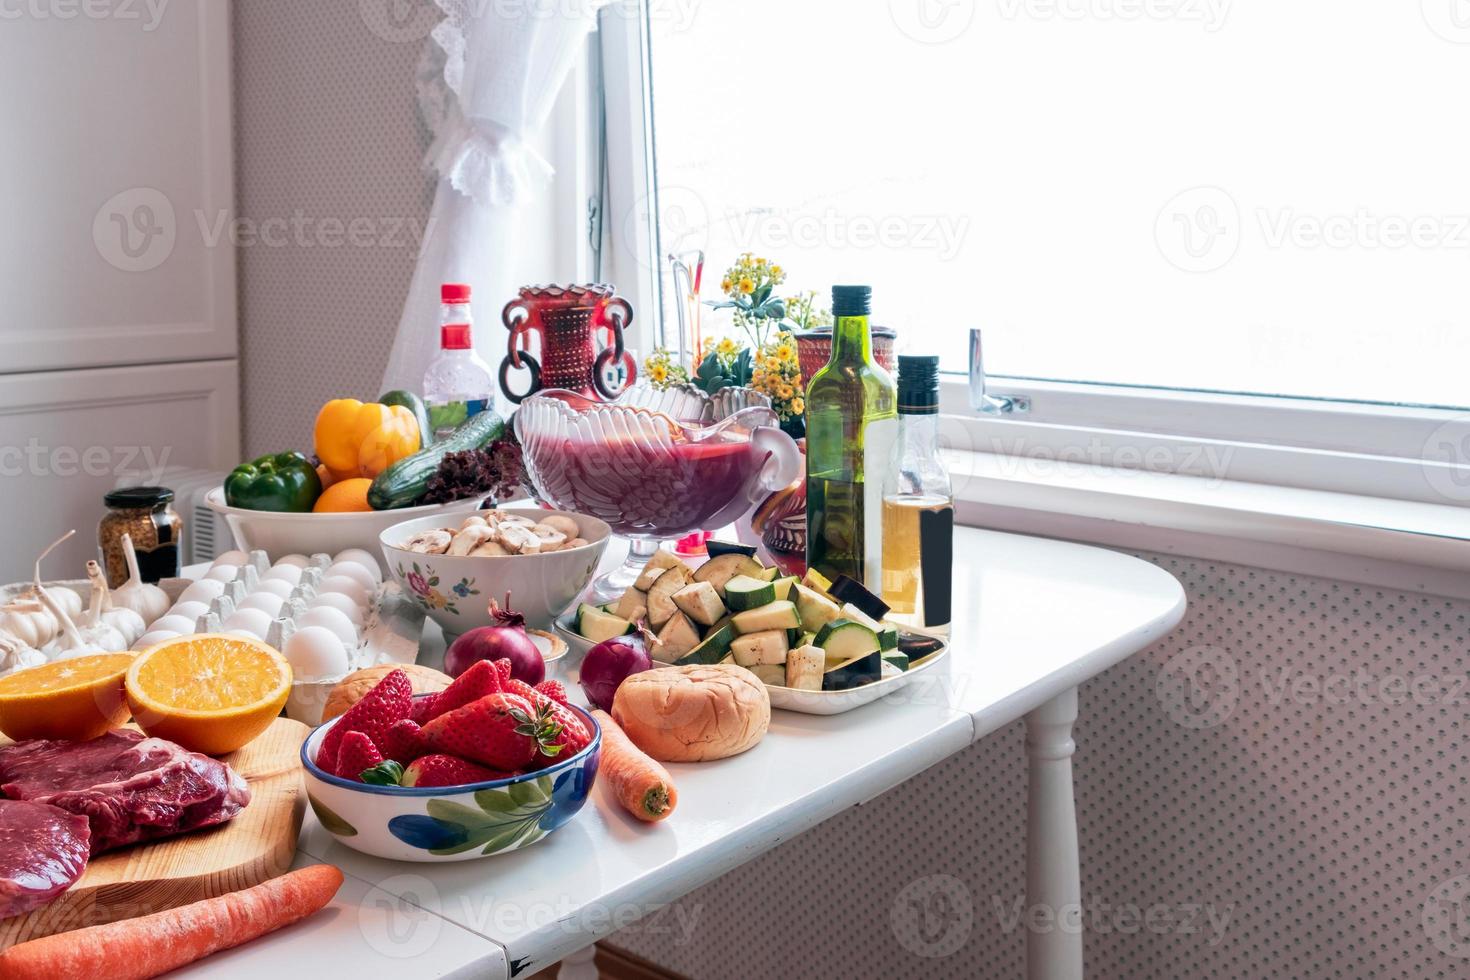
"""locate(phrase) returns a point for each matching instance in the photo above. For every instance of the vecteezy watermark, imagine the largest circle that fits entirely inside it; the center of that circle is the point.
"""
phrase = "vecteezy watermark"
(1362, 687)
(933, 916)
(36, 459)
(768, 231)
(680, 216)
(932, 21)
(1446, 459)
(1450, 19)
(1210, 14)
(407, 21)
(148, 13)
(1199, 687)
(400, 916)
(1198, 230)
(137, 230)
(1446, 917)
(1015, 456)
(1101, 918)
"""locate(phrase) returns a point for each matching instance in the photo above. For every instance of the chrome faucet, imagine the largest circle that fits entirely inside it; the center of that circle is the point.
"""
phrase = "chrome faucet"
(980, 401)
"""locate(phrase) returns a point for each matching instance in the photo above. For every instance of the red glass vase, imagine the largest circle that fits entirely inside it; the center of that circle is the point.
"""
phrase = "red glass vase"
(578, 345)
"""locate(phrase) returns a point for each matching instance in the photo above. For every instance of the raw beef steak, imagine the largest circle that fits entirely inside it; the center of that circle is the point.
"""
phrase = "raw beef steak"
(131, 788)
(43, 851)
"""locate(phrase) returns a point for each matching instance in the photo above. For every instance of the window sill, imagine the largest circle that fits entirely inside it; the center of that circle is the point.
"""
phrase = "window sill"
(1371, 540)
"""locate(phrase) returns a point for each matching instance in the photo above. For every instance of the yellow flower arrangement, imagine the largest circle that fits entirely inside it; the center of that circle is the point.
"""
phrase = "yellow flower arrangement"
(663, 370)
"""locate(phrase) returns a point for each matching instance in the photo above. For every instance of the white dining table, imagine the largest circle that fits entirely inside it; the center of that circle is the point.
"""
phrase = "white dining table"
(1034, 618)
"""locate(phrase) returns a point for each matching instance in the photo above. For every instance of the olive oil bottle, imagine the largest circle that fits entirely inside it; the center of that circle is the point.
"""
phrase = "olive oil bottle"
(851, 424)
(918, 506)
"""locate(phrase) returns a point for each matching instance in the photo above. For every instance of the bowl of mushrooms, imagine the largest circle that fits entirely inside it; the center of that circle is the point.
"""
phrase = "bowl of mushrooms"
(543, 558)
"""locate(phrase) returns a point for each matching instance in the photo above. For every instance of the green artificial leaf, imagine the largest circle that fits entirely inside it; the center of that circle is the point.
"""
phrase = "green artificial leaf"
(760, 295)
(776, 309)
(458, 813)
(496, 801)
(722, 305)
(386, 773)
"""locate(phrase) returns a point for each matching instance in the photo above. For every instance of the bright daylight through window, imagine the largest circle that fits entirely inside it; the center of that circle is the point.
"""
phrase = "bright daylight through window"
(1198, 194)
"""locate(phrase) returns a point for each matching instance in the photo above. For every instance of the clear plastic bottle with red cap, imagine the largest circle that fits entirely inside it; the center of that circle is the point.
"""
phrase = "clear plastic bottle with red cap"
(458, 384)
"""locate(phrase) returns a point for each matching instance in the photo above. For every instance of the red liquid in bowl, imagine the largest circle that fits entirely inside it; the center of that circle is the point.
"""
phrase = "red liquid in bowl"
(642, 489)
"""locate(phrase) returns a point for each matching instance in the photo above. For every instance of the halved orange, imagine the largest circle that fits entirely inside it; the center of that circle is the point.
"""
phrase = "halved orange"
(210, 693)
(74, 699)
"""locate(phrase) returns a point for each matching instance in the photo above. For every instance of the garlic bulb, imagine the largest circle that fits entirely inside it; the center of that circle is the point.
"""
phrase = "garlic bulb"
(129, 624)
(15, 655)
(143, 598)
(27, 623)
(73, 642)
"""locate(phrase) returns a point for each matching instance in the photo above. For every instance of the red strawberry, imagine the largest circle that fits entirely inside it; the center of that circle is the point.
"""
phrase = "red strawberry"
(388, 702)
(499, 730)
(404, 742)
(554, 690)
(574, 735)
(503, 666)
(481, 679)
(356, 753)
(447, 770)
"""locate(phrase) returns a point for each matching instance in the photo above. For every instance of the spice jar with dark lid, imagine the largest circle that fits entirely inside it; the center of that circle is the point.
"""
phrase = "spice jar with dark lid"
(146, 514)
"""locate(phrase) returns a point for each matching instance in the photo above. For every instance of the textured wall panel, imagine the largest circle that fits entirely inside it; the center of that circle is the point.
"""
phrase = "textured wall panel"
(331, 199)
(1276, 790)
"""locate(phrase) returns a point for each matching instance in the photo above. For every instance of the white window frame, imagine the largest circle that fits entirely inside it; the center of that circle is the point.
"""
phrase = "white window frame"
(1412, 453)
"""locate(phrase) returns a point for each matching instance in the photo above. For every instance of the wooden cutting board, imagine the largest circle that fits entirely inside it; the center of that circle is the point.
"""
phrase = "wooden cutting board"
(258, 844)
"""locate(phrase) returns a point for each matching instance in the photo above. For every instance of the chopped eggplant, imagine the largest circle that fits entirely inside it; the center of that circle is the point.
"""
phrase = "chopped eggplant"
(743, 592)
(633, 606)
(718, 571)
(700, 603)
(765, 647)
(661, 561)
(804, 666)
(771, 616)
(864, 669)
(597, 625)
(846, 589)
(661, 606)
(718, 548)
(677, 638)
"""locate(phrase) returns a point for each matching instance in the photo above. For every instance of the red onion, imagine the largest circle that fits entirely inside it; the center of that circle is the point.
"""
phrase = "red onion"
(609, 663)
(506, 639)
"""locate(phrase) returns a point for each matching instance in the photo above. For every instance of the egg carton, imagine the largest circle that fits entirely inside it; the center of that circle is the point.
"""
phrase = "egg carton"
(324, 639)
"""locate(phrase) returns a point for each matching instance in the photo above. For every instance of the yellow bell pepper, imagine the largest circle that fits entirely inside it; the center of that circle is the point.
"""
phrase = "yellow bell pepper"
(354, 438)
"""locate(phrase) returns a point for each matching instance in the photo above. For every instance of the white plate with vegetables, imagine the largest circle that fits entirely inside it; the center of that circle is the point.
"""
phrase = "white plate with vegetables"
(820, 647)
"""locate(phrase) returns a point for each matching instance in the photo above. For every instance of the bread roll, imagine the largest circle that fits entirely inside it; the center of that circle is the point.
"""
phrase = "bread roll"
(350, 689)
(691, 714)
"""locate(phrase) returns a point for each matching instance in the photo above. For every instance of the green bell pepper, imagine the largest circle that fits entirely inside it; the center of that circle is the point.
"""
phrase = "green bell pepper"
(280, 482)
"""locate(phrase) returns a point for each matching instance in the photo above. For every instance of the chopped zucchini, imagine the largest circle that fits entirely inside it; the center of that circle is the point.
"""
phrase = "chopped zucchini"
(677, 638)
(698, 601)
(846, 589)
(633, 606)
(859, 670)
(718, 548)
(815, 609)
(769, 574)
(713, 649)
(844, 639)
(888, 639)
(852, 612)
(771, 616)
(718, 571)
(661, 606)
(817, 582)
(765, 647)
(897, 659)
(743, 592)
(772, 674)
(804, 666)
(783, 586)
(597, 625)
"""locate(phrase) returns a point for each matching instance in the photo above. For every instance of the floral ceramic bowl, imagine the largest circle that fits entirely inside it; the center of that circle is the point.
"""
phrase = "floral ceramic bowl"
(450, 823)
(456, 591)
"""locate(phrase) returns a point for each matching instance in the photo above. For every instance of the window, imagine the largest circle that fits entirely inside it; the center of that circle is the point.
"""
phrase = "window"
(1195, 195)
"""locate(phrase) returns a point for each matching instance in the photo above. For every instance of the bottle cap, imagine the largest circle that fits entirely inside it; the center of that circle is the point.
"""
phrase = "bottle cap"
(851, 300)
(918, 384)
(454, 292)
(135, 497)
(455, 336)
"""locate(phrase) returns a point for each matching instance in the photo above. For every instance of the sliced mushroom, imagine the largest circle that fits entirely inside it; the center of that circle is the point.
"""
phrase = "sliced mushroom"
(562, 523)
(434, 542)
(575, 543)
(521, 540)
(471, 538)
(473, 520)
(489, 548)
(551, 539)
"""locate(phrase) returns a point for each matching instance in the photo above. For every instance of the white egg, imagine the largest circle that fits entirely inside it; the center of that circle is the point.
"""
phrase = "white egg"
(364, 558)
(296, 561)
(255, 622)
(332, 619)
(223, 573)
(267, 602)
(314, 651)
(174, 624)
(191, 608)
(154, 636)
(353, 570)
(351, 588)
(205, 590)
(290, 574)
(231, 559)
(341, 603)
(273, 586)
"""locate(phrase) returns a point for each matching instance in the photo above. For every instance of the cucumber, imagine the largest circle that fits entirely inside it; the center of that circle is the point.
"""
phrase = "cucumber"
(597, 625)
(406, 480)
(414, 404)
(743, 592)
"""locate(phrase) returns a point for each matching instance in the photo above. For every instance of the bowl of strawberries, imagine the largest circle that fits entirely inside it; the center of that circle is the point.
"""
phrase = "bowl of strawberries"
(486, 766)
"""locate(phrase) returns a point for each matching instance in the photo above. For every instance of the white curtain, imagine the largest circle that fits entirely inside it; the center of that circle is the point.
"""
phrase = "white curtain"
(487, 85)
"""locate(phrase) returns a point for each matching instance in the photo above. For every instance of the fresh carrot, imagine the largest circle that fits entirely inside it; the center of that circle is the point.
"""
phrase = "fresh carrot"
(642, 786)
(135, 949)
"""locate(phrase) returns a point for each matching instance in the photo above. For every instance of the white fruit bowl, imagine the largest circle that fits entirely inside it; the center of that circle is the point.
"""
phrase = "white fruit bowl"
(280, 534)
(455, 591)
